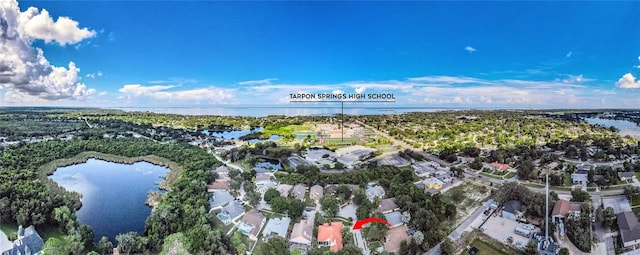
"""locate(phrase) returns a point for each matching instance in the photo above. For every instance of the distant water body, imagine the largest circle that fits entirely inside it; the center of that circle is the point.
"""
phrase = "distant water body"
(255, 111)
(624, 127)
(113, 195)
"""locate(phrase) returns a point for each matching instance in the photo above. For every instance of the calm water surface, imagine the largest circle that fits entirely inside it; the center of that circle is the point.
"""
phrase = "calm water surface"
(113, 195)
(624, 127)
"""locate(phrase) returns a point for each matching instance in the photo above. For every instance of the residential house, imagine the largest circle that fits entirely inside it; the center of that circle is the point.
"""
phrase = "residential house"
(374, 192)
(387, 205)
(230, 213)
(264, 186)
(28, 242)
(330, 234)
(394, 238)
(262, 178)
(251, 223)
(276, 227)
(219, 199)
(299, 191)
(495, 166)
(5, 244)
(223, 173)
(331, 190)
(629, 229)
(219, 185)
(552, 165)
(512, 210)
(394, 218)
(316, 192)
(284, 189)
(580, 178)
(563, 209)
(301, 236)
(626, 176)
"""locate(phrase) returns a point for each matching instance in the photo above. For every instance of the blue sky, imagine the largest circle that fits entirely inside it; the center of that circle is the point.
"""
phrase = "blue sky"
(435, 54)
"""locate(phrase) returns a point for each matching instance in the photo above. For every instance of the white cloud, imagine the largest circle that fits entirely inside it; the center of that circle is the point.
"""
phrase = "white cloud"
(446, 79)
(24, 70)
(159, 92)
(257, 82)
(103, 93)
(139, 90)
(39, 25)
(360, 89)
(470, 49)
(337, 92)
(94, 75)
(569, 54)
(628, 82)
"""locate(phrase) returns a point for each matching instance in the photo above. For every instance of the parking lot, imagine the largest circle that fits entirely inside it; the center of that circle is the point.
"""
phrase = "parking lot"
(500, 229)
(619, 204)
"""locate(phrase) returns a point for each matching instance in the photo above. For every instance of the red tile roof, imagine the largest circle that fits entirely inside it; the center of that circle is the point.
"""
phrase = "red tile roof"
(498, 166)
(331, 233)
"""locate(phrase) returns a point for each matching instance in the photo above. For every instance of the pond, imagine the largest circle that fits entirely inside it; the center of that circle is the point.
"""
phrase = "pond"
(113, 194)
(233, 135)
(624, 127)
(269, 164)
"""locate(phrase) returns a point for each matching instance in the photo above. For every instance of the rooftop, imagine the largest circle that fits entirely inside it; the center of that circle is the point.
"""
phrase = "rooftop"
(388, 204)
(277, 226)
(629, 226)
(332, 233)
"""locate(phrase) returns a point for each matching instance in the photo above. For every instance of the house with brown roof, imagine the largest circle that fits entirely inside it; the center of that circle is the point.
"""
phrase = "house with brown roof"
(387, 205)
(299, 191)
(251, 223)
(331, 190)
(394, 238)
(218, 185)
(284, 189)
(563, 209)
(301, 236)
(330, 234)
(629, 229)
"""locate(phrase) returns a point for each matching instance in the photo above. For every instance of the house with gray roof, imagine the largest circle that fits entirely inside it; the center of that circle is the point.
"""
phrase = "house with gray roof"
(387, 205)
(276, 227)
(512, 210)
(299, 191)
(629, 229)
(626, 176)
(301, 236)
(316, 192)
(374, 192)
(28, 242)
(219, 199)
(5, 244)
(230, 213)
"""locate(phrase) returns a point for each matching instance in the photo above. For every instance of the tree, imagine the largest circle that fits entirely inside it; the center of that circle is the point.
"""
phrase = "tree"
(447, 247)
(275, 246)
(87, 236)
(130, 243)
(104, 245)
(174, 244)
(270, 194)
(531, 248)
(363, 210)
(525, 169)
(236, 241)
(329, 205)
(254, 197)
(564, 251)
(418, 237)
(55, 246)
(578, 195)
(406, 217)
(296, 208)
(344, 192)
(359, 196)
(279, 204)
(609, 218)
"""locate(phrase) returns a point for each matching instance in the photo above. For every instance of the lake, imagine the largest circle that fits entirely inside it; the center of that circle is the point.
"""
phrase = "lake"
(624, 127)
(113, 194)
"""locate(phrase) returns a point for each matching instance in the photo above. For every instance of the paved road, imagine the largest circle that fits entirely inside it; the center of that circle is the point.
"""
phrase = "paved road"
(227, 163)
(360, 242)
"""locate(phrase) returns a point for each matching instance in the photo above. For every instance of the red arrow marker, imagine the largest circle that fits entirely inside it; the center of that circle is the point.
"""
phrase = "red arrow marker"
(359, 223)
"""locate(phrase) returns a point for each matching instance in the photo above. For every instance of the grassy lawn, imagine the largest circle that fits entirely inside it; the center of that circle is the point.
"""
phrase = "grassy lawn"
(635, 200)
(510, 175)
(45, 232)
(375, 245)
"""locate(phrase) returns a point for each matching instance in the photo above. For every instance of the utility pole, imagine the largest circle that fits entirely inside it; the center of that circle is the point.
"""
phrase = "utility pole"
(546, 213)
(342, 124)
